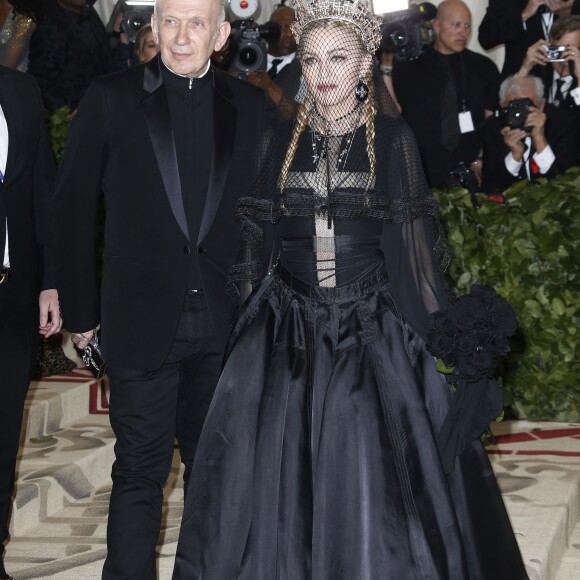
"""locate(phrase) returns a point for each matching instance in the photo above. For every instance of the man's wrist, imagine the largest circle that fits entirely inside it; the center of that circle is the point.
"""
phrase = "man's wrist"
(540, 142)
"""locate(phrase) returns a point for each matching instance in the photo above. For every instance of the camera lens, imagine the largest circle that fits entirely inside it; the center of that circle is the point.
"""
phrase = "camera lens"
(136, 21)
(395, 36)
(248, 56)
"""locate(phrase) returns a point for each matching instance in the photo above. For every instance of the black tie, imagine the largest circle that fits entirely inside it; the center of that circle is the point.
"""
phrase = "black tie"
(559, 95)
(450, 133)
(274, 67)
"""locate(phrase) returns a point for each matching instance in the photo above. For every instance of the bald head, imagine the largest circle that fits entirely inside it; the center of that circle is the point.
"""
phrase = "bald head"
(452, 27)
(284, 18)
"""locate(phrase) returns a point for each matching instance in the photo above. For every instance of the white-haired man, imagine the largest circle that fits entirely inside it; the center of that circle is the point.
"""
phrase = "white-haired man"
(170, 144)
(534, 139)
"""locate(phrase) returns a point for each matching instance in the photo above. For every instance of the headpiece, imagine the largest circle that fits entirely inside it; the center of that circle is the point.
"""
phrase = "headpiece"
(354, 12)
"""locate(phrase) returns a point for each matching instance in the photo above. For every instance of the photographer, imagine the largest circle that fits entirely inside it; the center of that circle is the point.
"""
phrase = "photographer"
(283, 69)
(446, 94)
(520, 23)
(528, 139)
(558, 65)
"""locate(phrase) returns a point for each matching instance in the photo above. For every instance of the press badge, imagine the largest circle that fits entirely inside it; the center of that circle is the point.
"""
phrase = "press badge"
(466, 122)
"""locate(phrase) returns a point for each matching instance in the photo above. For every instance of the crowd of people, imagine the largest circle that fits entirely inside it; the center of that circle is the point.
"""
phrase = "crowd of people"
(306, 185)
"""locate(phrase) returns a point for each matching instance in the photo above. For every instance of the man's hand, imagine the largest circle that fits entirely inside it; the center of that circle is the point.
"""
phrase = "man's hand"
(532, 7)
(536, 54)
(513, 138)
(262, 80)
(81, 339)
(572, 55)
(50, 320)
(259, 79)
(536, 119)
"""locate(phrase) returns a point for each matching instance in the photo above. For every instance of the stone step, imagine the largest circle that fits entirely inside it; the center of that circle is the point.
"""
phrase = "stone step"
(71, 543)
(59, 520)
(570, 565)
(538, 469)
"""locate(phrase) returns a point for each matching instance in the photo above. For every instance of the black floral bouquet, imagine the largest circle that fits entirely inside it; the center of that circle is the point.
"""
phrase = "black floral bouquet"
(471, 334)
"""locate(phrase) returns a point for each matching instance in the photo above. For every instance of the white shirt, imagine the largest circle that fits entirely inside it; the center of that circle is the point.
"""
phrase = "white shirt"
(3, 157)
(286, 60)
(544, 160)
(568, 80)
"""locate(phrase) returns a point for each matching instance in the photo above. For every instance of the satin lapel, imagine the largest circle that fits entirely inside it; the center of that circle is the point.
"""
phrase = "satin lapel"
(159, 125)
(224, 130)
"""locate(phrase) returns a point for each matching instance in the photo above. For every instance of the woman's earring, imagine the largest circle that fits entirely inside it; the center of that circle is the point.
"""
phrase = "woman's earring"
(361, 91)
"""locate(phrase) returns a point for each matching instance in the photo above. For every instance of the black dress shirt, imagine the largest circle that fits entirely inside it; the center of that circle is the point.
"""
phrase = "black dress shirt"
(191, 109)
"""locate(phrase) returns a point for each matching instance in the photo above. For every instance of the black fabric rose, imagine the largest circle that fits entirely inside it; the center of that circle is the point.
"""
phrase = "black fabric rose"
(472, 333)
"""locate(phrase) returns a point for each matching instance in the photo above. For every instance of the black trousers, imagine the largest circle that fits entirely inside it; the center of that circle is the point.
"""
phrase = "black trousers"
(147, 411)
(18, 345)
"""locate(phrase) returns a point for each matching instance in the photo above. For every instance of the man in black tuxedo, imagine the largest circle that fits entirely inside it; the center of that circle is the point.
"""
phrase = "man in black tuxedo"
(544, 147)
(28, 300)
(520, 23)
(171, 145)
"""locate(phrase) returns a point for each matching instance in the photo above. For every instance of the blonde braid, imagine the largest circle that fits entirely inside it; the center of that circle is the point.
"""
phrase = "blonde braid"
(302, 119)
(369, 113)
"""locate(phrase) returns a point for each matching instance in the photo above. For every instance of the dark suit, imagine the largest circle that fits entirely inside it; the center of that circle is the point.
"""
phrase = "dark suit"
(502, 24)
(163, 344)
(546, 73)
(560, 134)
(24, 205)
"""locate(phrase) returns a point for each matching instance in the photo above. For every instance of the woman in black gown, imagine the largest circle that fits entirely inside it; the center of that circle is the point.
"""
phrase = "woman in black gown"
(319, 457)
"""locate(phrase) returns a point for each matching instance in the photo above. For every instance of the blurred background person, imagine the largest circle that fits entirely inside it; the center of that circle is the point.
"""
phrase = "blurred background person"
(446, 94)
(538, 141)
(283, 70)
(18, 20)
(518, 24)
(560, 75)
(68, 49)
(146, 46)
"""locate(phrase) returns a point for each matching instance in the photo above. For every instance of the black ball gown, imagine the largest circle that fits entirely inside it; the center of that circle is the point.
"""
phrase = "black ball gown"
(318, 459)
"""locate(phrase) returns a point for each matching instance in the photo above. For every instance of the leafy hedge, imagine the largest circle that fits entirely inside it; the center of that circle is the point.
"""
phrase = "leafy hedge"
(529, 251)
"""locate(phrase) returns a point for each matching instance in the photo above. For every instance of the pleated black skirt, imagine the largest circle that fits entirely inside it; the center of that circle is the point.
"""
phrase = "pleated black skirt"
(318, 458)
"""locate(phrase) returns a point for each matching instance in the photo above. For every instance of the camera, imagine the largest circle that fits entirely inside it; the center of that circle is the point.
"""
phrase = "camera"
(250, 45)
(554, 53)
(406, 33)
(135, 19)
(136, 13)
(465, 177)
(515, 114)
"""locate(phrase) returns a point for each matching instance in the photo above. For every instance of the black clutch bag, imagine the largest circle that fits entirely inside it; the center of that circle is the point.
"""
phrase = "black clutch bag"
(93, 358)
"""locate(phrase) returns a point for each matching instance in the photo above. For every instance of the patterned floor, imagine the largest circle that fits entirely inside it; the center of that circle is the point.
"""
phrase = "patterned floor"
(59, 520)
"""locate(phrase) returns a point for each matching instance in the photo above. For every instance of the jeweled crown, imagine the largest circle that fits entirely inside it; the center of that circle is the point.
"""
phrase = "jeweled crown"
(355, 12)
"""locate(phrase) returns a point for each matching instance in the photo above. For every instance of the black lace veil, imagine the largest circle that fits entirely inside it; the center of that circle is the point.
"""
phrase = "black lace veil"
(338, 151)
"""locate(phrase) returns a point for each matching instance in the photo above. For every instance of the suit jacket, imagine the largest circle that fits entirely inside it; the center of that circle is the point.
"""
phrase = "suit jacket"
(121, 142)
(502, 24)
(27, 188)
(546, 73)
(559, 131)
